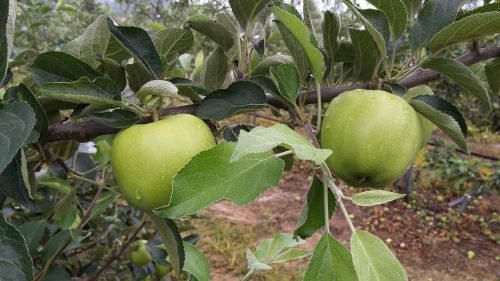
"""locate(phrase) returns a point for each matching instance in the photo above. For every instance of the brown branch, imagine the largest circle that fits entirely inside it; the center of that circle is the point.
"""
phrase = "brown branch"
(88, 130)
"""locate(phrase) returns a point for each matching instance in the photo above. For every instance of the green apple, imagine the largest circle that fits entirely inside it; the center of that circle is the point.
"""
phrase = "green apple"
(427, 126)
(145, 158)
(138, 254)
(162, 270)
(374, 137)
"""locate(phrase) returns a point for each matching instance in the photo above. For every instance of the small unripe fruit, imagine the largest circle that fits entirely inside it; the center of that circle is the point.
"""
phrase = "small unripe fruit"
(374, 137)
(138, 253)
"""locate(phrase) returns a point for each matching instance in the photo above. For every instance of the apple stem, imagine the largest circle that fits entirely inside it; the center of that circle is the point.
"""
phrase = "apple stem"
(155, 116)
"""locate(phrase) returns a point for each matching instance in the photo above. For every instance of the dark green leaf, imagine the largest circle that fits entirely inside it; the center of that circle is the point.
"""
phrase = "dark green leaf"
(17, 119)
(60, 67)
(23, 93)
(15, 261)
(104, 202)
(33, 232)
(173, 41)
(7, 19)
(287, 80)
(345, 52)
(137, 75)
(374, 31)
(213, 30)
(115, 72)
(210, 177)
(246, 11)
(118, 118)
(313, 20)
(64, 205)
(196, 263)
(97, 44)
(268, 85)
(296, 51)
(56, 273)
(267, 63)
(231, 24)
(14, 181)
(395, 10)
(491, 7)
(100, 91)
(239, 97)
(462, 75)
(471, 27)
(53, 246)
(312, 216)
(366, 56)
(444, 115)
(331, 261)
(292, 27)
(172, 241)
(231, 134)
(435, 15)
(412, 7)
(138, 42)
(215, 69)
(492, 71)
(331, 30)
(379, 21)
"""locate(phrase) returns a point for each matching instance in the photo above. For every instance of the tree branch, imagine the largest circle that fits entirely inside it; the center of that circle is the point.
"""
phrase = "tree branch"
(88, 130)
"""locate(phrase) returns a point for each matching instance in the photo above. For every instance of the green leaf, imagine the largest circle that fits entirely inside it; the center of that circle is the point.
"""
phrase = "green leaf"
(101, 91)
(312, 216)
(53, 246)
(270, 62)
(462, 75)
(291, 254)
(239, 97)
(105, 201)
(172, 240)
(23, 94)
(296, 28)
(7, 20)
(54, 183)
(331, 31)
(64, 205)
(33, 232)
(157, 88)
(215, 69)
(268, 250)
(378, 37)
(435, 15)
(97, 44)
(137, 75)
(491, 7)
(138, 42)
(60, 67)
(264, 139)
(313, 20)
(396, 13)
(118, 118)
(15, 261)
(287, 80)
(268, 85)
(196, 263)
(115, 71)
(213, 30)
(16, 122)
(191, 91)
(173, 41)
(373, 260)
(246, 11)
(199, 185)
(231, 24)
(379, 21)
(444, 115)
(56, 273)
(14, 181)
(366, 56)
(492, 71)
(412, 7)
(254, 263)
(375, 197)
(471, 27)
(331, 261)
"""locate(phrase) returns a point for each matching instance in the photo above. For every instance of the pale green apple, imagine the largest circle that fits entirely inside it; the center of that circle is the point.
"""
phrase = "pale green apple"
(138, 254)
(145, 158)
(427, 126)
(374, 137)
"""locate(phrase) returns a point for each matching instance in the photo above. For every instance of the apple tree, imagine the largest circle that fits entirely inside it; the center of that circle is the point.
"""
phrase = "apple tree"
(350, 99)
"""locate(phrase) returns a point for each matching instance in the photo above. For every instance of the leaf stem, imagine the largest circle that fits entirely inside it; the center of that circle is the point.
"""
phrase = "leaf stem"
(318, 94)
(284, 153)
(247, 276)
(325, 203)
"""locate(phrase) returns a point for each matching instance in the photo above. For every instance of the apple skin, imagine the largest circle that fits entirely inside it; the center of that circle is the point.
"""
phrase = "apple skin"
(145, 158)
(374, 137)
(138, 254)
(427, 126)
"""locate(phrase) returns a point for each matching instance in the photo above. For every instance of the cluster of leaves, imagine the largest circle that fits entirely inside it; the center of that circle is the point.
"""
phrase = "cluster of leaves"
(115, 75)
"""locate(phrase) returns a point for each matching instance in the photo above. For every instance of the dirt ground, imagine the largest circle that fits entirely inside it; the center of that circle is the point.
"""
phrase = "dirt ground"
(431, 240)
